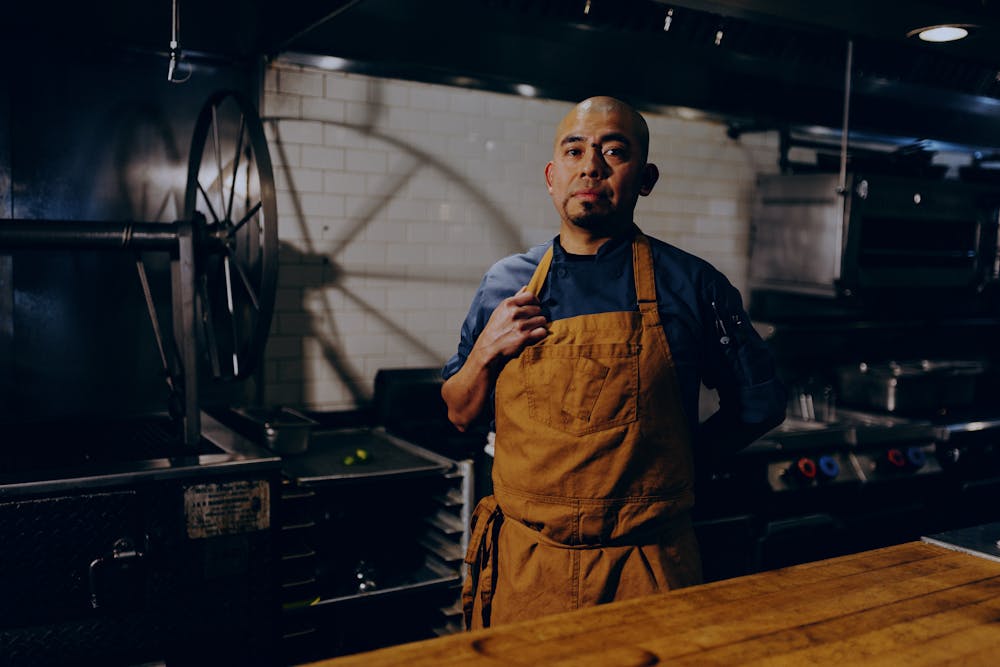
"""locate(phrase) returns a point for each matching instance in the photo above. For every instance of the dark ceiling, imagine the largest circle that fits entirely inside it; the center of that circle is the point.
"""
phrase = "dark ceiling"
(778, 63)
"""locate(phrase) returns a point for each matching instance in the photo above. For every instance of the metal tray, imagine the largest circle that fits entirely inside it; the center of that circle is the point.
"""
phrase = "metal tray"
(911, 386)
(332, 457)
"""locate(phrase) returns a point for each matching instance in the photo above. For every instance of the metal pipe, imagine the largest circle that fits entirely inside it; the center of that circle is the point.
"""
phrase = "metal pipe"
(842, 187)
(182, 274)
(87, 235)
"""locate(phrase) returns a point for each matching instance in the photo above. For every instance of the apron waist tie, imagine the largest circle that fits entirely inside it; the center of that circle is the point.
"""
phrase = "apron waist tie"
(480, 558)
(651, 535)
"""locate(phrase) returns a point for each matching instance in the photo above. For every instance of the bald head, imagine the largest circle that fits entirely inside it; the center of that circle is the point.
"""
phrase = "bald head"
(632, 121)
(598, 171)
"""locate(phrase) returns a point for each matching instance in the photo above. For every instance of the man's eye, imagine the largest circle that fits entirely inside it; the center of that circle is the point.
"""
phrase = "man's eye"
(574, 151)
(616, 151)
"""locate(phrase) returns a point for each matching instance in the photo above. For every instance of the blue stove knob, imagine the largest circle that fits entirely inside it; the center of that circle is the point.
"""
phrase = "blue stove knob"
(829, 468)
(916, 457)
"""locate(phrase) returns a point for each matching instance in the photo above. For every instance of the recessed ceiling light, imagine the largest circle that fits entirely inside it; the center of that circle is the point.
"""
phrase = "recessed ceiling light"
(940, 33)
(331, 63)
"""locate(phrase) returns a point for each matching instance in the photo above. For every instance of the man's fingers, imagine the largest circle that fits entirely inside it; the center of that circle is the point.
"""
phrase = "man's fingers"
(524, 312)
(535, 323)
(523, 297)
(538, 333)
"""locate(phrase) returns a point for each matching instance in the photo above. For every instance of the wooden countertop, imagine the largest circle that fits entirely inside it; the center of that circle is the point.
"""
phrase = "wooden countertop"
(911, 604)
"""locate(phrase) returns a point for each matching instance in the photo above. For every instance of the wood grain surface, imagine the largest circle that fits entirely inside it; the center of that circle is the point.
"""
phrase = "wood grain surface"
(910, 604)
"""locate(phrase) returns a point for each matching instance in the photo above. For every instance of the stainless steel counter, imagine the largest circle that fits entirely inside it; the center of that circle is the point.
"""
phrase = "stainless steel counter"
(982, 541)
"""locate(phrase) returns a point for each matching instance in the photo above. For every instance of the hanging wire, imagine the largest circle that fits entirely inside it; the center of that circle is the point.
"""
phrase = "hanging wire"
(175, 47)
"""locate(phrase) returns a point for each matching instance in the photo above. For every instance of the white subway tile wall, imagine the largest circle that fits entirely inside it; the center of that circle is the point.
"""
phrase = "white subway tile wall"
(394, 197)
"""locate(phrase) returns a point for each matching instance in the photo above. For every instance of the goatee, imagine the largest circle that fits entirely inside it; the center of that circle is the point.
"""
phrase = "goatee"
(600, 224)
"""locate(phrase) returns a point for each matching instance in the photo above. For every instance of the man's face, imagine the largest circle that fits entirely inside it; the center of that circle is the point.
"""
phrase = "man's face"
(598, 170)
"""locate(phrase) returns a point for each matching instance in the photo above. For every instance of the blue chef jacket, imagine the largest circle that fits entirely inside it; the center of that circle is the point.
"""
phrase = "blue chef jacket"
(710, 336)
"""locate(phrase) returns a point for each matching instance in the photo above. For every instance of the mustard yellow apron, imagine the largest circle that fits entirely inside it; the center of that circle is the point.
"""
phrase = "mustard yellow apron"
(593, 469)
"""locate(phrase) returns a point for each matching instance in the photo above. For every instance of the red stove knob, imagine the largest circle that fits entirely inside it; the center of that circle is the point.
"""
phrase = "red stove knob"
(803, 469)
(895, 459)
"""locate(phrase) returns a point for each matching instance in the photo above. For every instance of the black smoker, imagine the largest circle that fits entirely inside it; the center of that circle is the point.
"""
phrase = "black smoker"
(141, 536)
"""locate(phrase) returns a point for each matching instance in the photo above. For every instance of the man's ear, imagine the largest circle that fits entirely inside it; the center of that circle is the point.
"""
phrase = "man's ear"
(650, 175)
(548, 176)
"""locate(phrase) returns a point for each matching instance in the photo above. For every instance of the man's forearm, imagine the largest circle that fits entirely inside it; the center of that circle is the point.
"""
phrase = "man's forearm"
(467, 391)
(516, 322)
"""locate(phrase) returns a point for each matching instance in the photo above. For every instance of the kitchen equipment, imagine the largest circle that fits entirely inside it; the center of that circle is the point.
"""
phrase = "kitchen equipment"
(372, 552)
(121, 546)
(149, 539)
(911, 386)
(881, 232)
(373, 546)
(982, 541)
(812, 402)
(283, 430)
(223, 255)
(810, 489)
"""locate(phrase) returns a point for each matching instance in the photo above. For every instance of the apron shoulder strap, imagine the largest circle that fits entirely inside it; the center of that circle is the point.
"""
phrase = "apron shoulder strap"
(642, 269)
(538, 278)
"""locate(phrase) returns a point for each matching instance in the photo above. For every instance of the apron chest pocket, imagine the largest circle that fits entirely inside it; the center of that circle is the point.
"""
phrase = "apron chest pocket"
(582, 388)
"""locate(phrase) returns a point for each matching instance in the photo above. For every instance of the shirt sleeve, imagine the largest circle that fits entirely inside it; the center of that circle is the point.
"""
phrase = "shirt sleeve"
(472, 326)
(738, 363)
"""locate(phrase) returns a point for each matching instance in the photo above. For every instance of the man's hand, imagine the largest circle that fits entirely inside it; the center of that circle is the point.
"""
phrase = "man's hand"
(515, 323)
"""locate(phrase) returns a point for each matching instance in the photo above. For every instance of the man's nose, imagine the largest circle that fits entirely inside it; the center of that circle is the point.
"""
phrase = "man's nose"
(594, 165)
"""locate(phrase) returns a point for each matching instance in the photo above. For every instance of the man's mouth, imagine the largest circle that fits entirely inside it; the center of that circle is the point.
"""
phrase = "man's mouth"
(589, 195)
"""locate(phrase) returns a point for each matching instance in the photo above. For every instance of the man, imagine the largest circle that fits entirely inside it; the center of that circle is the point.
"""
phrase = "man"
(592, 349)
